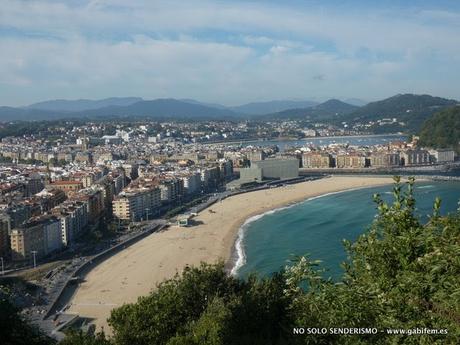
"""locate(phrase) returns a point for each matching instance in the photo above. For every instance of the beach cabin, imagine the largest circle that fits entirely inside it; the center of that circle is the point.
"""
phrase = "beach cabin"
(184, 220)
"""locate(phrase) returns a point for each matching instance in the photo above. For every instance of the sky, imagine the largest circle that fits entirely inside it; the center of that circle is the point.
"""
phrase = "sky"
(228, 52)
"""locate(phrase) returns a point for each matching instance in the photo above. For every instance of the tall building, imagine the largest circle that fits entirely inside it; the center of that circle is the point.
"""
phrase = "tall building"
(316, 160)
(53, 234)
(25, 240)
(171, 190)
(73, 218)
(137, 204)
(226, 169)
(192, 183)
(210, 177)
(94, 199)
(42, 235)
(350, 161)
(385, 159)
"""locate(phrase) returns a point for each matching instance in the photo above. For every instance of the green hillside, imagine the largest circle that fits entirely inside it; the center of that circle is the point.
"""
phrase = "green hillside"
(442, 130)
(328, 110)
(412, 110)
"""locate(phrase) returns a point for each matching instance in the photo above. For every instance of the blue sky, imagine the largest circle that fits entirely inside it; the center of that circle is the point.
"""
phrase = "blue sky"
(229, 52)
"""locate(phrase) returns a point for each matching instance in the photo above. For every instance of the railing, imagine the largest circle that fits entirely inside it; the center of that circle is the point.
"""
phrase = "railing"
(93, 261)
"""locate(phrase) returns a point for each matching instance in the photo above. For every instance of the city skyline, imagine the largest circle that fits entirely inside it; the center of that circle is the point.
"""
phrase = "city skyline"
(227, 52)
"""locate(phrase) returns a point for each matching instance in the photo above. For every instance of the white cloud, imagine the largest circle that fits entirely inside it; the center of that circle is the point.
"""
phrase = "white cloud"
(215, 51)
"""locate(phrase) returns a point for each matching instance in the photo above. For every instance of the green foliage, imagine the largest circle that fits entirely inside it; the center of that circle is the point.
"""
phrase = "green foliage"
(14, 330)
(204, 306)
(411, 109)
(442, 130)
(401, 274)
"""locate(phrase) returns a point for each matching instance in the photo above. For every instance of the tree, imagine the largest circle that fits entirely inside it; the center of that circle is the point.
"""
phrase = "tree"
(442, 130)
(401, 274)
(15, 330)
(205, 306)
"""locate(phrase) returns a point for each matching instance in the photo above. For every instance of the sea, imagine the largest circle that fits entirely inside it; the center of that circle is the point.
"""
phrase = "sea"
(317, 226)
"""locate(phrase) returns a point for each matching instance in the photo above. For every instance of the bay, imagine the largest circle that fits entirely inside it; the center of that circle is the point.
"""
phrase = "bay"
(318, 226)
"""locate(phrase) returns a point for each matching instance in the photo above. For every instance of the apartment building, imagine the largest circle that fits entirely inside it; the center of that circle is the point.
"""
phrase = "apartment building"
(210, 177)
(26, 239)
(317, 160)
(73, 218)
(350, 161)
(191, 182)
(40, 234)
(137, 204)
(53, 234)
(171, 190)
(68, 186)
(385, 159)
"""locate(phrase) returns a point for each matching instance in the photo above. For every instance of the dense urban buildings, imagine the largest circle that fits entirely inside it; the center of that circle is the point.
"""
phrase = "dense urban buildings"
(69, 180)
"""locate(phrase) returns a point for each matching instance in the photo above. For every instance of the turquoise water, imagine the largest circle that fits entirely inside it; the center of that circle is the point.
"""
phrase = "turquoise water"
(317, 226)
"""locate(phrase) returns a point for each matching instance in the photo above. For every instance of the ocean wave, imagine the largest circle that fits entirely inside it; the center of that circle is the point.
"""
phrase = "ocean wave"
(239, 255)
(425, 187)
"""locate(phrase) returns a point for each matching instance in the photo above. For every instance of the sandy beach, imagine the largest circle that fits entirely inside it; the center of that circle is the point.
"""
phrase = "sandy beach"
(138, 269)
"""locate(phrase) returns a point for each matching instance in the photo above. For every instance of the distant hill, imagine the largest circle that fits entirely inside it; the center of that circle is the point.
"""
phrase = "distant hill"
(212, 105)
(330, 109)
(159, 108)
(261, 108)
(83, 104)
(442, 130)
(335, 107)
(411, 109)
(24, 114)
(355, 101)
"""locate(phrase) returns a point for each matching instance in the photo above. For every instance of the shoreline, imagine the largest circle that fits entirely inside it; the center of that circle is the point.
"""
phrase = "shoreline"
(137, 270)
(237, 258)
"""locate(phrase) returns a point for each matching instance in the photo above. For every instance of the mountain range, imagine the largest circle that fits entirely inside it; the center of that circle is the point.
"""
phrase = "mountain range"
(262, 108)
(330, 109)
(410, 110)
(83, 104)
(135, 106)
